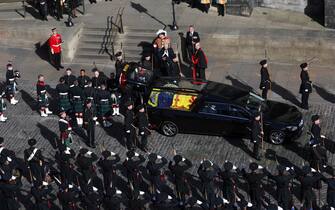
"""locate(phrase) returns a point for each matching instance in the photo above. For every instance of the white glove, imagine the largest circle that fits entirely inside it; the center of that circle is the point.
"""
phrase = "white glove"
(225, 201)
(95, 189)
(13, 178)
(199, 202)
(211, 163)
(127, 131)
(169, 197)
(95, 118)
(292, 168)
(67, 152)
(9, 159)
(136, 154)
(142, 133)
(158, 191)
(287, 168)
(313, 170)
(260, 167)
(234, 167)
(112, 153)
(118, 192)
(45, 183)
(323, 136)
(306, 90)
(69, 129)
(141, 193)
(89, 152)
(70, 186)
(280, 208)
(183, 159)
(159, 157)
(249, 204)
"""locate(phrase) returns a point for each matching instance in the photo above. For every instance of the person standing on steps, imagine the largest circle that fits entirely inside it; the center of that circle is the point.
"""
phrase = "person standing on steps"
(55, 44)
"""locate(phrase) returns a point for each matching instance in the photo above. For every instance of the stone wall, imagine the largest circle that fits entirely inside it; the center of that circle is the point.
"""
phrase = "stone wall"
(330, 13)
(295, 5)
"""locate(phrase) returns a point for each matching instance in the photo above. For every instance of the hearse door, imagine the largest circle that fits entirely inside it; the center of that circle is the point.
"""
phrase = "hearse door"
(240, 121)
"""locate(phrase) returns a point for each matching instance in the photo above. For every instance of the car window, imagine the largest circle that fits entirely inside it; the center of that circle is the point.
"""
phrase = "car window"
(215, 108)
(238, 112)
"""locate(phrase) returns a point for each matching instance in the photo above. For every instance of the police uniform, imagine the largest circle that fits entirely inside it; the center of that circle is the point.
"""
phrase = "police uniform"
(199, 61)
(64, 101)
(129, 126)
(178, 167)
(155, 169)
(256, 136)
(89, 125)
(33, 157)
(265, 84)
(78, 98)
(255, 185)
(65, 131)
(305, 86)
(3, 107)
(42, 98)
(108, 163)
(319, 152)
(132, 164)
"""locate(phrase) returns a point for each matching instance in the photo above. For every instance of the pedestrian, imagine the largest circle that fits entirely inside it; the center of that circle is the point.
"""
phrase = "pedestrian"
(143, 126)
(89, 123)
(3, 107)
(42, 96)
(83, 79)
(129, 126)
(199, 61)
(265, 84)
(55, 44)
(63, 94)
(254, 180)
(11, 85)
(192, 37)
(206, 4)
(43, 9)
(78, 101)
(221, 4)
(257, 135)
(305, 86)
(65, 129)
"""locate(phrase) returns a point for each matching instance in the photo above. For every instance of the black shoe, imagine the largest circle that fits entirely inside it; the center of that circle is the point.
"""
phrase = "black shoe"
(62, 67)
(57, 68)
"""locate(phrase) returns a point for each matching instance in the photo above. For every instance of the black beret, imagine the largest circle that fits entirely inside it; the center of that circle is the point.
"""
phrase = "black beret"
(1, 140)
(152, 157)
(130, 154)
(177, 158)
(306, 170)
(303, 65)
(32, 142)
(53, 29)
(263, 62)
(9, 65)
(315, 117)
(118, 54)
(253, 166)
(83, 150)
(228, 166)
(106, 154)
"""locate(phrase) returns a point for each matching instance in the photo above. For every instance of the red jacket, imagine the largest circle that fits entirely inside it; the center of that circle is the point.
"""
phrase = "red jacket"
(55, 43)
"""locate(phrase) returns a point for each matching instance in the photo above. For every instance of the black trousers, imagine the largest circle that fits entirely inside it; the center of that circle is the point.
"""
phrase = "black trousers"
(201, 73)
(56, 59)
(221, 9)
(304, 100)
(144, 140)
(265, 93)
(206, 7)
(256, 150)
(91, 134)
(190, 50)
(131, 139)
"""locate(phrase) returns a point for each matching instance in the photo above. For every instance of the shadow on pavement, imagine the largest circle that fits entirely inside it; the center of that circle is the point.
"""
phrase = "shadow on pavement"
(240, 84)
(48, 135)
(139, 8)
(323, 93)
(285, 94)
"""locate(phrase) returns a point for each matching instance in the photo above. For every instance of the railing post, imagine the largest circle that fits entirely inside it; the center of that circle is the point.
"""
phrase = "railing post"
(84, 8)
(121, 24)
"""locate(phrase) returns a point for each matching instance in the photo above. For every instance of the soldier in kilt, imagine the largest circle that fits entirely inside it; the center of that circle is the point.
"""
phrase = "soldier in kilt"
(2, 107)
(42, 97)
(115, 98)
(78, 96)
(63, 91)
(65, 130)
(104, 106)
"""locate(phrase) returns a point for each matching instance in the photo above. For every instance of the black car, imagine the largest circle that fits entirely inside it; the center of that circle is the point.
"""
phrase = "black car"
(181, 106)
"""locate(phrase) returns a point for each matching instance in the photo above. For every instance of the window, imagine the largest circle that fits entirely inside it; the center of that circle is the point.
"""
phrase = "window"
(215, 108)
(238, 112)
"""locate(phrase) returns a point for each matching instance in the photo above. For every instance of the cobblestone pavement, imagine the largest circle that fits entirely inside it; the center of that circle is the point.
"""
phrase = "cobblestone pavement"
(24, 122)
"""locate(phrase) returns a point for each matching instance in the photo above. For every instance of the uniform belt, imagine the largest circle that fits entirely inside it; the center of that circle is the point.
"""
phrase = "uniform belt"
(77, 97)
(90, 98)
(43, 91)
(11, 79)
(63, 94)
(104, 100)
(71, 86)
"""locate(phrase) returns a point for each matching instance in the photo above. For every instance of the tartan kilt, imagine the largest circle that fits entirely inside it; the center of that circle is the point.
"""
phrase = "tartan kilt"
(64, 104)
(10, 89)
(2, 105)
(78, 106)
(104, 108)
(42, 101)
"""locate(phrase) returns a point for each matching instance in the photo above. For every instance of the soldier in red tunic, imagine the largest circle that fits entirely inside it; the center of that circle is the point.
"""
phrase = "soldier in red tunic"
(55, 42)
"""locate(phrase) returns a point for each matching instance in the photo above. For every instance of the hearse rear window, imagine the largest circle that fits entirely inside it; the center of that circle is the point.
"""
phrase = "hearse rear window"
(171, 100)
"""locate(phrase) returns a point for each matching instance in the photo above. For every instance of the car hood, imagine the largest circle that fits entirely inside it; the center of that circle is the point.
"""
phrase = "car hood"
(282, 113)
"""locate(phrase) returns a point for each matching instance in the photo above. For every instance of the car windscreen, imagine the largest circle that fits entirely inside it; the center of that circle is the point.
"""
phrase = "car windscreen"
(251, 102)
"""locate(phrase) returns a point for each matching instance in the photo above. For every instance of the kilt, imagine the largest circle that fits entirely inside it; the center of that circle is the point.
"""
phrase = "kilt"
(64, 103)
(78, 105)
(104, 107)
(43, 100)
(2, 105)
(10, 89)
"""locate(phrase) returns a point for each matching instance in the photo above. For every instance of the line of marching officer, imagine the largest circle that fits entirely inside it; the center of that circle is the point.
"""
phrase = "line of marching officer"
(146, 184)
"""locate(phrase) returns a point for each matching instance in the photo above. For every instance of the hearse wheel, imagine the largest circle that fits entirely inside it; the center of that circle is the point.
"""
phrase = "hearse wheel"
(169, 128)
